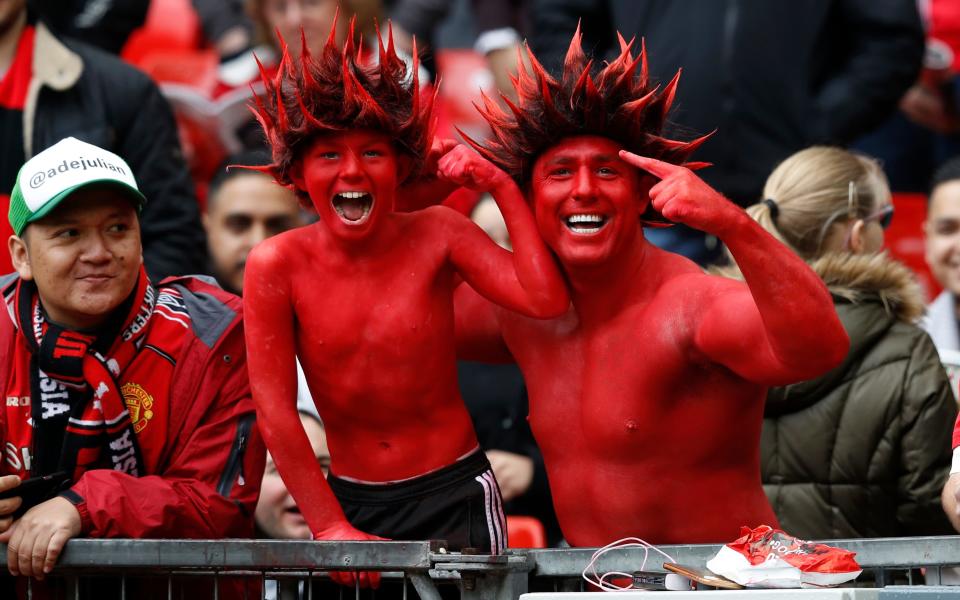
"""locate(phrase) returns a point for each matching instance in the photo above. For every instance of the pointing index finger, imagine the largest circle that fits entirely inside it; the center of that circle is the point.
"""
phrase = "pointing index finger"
(655, 167)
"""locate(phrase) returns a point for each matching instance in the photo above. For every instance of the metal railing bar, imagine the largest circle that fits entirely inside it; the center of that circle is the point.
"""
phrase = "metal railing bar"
(243, 554)
(871, 553)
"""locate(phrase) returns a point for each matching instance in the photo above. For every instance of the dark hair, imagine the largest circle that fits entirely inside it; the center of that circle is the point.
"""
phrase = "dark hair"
(224, 172)
(616, 102)
(335, 92)
(948, 171)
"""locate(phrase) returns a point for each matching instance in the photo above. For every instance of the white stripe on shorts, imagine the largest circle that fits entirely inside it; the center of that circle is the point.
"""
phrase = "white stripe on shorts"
(495, 519)
(498, 512)
(494, 528)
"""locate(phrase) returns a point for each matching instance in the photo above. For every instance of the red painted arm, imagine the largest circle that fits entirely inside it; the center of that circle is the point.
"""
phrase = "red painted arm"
(527, 281)
(271, 354)
(784, 327)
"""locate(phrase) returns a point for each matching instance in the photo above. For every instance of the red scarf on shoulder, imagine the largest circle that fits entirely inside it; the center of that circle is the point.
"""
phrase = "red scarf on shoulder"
(80, 420)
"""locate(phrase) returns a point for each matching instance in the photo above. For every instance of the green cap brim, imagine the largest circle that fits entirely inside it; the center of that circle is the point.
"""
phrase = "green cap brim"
(131, 193)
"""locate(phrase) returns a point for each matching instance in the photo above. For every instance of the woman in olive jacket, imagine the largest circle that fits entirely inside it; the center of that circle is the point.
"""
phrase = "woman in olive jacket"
(864, 450)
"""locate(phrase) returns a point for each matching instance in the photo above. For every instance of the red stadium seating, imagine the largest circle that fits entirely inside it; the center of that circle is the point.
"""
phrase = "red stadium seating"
(525, 532)
(170, 25)
(904, 239)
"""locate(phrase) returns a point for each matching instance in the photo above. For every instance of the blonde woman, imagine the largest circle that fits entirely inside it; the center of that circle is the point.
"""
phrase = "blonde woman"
(864, 450)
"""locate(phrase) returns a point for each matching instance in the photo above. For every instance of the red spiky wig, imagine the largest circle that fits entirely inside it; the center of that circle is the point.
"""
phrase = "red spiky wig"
(616, 103)
(336, 92)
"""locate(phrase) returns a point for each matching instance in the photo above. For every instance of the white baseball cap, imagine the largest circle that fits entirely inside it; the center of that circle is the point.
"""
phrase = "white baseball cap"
(69, 165)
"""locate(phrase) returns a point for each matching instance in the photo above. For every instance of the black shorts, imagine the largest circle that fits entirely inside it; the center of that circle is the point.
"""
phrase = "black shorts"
(459, 503)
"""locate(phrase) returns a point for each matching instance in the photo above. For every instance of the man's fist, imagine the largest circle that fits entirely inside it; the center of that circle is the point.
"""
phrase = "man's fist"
(466, 168)
(514, 472)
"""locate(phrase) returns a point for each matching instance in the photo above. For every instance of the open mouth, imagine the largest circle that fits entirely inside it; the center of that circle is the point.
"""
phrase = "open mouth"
(584, 224)
(353, 207)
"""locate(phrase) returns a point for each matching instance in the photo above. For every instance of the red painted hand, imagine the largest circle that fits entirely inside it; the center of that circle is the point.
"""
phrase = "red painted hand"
(465, 167)
(682, 197)
(345, 532)
(440, 148)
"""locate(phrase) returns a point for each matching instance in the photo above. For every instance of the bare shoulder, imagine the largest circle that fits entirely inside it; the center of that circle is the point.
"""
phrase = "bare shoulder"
(688, 280)
(436, 221)
(283, 250)
(439, 213)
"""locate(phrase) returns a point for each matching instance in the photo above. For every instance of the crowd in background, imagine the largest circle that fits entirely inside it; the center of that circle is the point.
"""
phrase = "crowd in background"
(786, 86)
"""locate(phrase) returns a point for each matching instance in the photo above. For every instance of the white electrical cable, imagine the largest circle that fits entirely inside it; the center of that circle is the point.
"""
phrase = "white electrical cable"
(590, 571)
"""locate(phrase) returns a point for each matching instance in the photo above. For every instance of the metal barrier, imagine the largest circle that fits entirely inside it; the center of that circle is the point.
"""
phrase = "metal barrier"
(297, 565)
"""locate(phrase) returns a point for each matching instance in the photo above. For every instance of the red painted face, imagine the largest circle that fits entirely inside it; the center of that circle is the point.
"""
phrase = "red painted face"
(351, 179)
(587, 201)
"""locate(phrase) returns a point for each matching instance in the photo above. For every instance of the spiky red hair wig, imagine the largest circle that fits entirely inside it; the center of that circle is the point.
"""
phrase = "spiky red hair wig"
(336, 92)
(616, 103)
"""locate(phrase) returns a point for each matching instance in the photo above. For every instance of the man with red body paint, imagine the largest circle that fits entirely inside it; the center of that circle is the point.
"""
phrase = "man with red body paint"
(646, 397)
(364, 298)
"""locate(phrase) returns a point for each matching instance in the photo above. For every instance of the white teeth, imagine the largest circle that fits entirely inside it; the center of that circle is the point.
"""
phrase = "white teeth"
(585, 223)
(353, 195)
(585, 219)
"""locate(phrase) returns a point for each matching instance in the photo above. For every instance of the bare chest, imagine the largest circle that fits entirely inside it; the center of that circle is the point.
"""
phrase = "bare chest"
(609, 387)
(384, 312)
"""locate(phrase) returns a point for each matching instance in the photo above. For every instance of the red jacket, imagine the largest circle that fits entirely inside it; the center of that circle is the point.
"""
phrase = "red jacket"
(207, 460)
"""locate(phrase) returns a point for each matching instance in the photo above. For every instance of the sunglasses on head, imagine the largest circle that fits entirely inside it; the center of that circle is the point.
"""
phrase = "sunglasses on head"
(883, 216)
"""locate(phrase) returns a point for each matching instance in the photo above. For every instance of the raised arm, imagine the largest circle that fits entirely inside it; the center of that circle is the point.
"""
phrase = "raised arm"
(527, 281)
(784, 327)
(271, 354)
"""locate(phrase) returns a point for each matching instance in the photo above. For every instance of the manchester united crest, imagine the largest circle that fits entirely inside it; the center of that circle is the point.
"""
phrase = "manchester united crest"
(139, 404)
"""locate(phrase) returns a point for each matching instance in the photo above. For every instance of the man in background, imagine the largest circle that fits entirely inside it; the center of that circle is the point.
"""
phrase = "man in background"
(942, 238)
(244, 208)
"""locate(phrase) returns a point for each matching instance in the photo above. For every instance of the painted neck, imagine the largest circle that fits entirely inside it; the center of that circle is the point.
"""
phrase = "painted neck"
(604, 288)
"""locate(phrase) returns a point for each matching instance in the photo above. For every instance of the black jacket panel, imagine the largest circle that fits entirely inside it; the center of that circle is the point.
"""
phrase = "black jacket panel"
(772, 77)
(117, 107)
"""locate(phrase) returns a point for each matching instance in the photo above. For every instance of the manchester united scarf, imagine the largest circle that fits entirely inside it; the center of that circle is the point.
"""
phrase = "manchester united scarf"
(87, 426)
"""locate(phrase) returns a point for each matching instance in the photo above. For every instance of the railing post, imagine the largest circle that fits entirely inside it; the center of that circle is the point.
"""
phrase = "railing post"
(424, 586)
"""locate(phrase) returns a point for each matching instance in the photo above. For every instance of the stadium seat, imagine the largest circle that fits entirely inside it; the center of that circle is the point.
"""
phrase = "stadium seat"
(525, 532)
(904, 239)
(170, 25)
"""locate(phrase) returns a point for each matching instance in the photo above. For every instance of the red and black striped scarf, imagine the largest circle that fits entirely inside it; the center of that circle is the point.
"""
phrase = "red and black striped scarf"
(80, 419)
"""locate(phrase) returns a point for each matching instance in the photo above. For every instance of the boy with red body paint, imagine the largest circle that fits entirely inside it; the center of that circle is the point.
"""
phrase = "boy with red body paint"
(646, 398)
(364, 297)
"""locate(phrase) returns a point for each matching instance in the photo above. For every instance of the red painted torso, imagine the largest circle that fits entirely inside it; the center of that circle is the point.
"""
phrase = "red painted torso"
(373, 336)
(640, 436)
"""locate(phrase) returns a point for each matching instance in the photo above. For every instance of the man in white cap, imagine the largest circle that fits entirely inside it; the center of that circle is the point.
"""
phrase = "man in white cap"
(132, 398)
